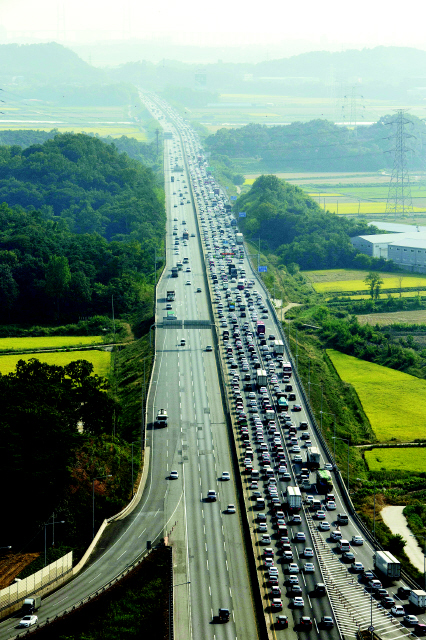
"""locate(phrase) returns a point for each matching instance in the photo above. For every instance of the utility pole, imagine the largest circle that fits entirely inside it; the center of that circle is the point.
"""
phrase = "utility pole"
(399, 195)
(157, 133)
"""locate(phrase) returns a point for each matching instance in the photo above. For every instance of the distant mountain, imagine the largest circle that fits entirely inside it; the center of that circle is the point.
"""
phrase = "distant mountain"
(52, 62)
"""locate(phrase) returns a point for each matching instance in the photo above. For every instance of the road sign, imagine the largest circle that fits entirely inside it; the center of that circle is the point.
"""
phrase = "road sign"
(262, 269)
(233, 197)
(242, 214)
(371, 629)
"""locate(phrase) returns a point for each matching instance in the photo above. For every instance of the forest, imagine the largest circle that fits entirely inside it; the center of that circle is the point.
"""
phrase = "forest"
(298, 231)
(318, 145)
(78, 224)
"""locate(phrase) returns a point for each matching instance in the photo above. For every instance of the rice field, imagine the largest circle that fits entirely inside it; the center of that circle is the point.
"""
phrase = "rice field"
(47, 342)
(383, 296)
(400, 459)
(385, 319)
(381, 392)
(347, 280)
(100, 360)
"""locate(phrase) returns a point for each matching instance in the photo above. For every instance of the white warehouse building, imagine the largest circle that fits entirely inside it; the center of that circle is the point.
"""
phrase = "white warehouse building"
(407, 249)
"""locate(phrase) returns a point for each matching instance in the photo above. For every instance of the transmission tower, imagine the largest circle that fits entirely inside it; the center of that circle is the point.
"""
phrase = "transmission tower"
(351, 110)
(399, 196)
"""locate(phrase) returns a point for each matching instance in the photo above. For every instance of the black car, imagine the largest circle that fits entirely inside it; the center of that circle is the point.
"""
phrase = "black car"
(282, 622)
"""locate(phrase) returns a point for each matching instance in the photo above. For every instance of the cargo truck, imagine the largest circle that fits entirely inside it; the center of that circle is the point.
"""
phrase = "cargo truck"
(31, 604)
(174, 272)
(294, 499)
(417, 598)
(170, 296)
(233, 222)
(261, 378)
(313, 458)
(282, 405)
(278, 347)
(324, 483)
(387, 564)
(239, 238)
(185, 235)
(260, 328)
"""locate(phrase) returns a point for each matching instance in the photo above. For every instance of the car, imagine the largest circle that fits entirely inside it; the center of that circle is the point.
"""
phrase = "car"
(358, 567)
(265, 539)
(268, 552)
(331, 505)
(309, 567)
(211, 495)
(327, 622)
(320, 515)
(231, 508)
(308, 552)
(209, 347)
(188, 282)
(298, 602)
(387, 602)
(324, 526)
(348, 556)
(336, 534)
(263, 527)
(174, 475)
(198, 289)
(419, 629)
(295, 590)
(328, 466)
(297, 458)
(28, 621)
(281, 622)
(192, 235)
(357, 540)
(409, 620)
(168, 306)
(293, 568)
(305, 622)
(297, 407)
(398, 610)
(277, 604)
(300, 537)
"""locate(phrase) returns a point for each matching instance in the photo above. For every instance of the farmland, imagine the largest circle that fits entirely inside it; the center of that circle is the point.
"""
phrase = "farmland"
(400, 459)
(380, 391)
(47, 342)
(99, 359)
(399, 317)
(347, 280)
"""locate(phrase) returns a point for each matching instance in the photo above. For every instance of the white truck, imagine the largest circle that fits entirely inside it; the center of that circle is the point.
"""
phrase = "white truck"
(294, 499)
(418, 599)
(261, 378)
(387, 564)
(239, 238)
(278, 347)
(161, 419)
(313, 458)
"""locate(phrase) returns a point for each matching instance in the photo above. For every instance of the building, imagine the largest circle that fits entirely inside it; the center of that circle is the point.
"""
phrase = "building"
(407, 249)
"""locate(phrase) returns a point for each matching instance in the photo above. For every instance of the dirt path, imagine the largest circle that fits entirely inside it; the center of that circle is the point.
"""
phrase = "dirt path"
(397, 523)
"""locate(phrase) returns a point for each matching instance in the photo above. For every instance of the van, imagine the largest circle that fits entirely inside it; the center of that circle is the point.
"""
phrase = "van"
(260, 503)
(344, 545)
(316, 505)
(342, 518)
(269, 472)
(255, 475)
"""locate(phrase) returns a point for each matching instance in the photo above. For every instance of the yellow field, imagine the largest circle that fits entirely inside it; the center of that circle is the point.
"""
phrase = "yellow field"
(48, 342)
(394, 402)
(342, 280)
(99, 359)
(353, 208)
(115, 132)
(402, 459)
(323, 195)
(383, 296)
(249, 181)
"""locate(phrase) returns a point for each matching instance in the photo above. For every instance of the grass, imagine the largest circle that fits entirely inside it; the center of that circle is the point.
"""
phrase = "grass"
(341, 280)
(365, 208)
(385, 319)
(383, 296)
(401, 459)
(99, 359)
(394, 402)
(47, 342)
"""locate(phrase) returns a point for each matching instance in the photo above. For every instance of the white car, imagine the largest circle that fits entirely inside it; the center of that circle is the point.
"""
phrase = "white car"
(28, 621)
(188, 282)
(309, 567)
(308, 552)
(398, 610)
(231, 508)
(298, 602)
(357, 566)
(324, 526)
(293, 568)
(331, 505)
(174, 475)
(328, 466)
(225, 475)
(357, 540)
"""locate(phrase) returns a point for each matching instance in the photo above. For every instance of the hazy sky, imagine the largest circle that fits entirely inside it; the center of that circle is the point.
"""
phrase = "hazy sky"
(330, 24)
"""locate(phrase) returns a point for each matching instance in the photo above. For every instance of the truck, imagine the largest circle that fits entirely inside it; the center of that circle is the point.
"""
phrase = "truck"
(233, 222)
(417, 598)
(313, 458)
(261, 378)
(282, 404)
(161, 419)
(294, 499)
(170, 296)
(287, 370)
(239, 238)
(231, 305)
(323, 482)
(260, 328)
(172, 179)
(278, 347)
(174, 272)
(185, 235)
(387, 564)
(31, 604)
(224, 615)
(179, 266)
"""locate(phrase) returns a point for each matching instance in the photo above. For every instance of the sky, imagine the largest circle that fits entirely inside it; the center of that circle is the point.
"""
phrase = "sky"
(330, 25)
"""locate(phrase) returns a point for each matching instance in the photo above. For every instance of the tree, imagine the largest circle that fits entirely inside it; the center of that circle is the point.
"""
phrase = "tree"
(374, 282)
(58, 276)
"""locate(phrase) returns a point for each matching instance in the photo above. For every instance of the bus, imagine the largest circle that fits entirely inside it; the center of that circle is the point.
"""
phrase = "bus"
(260, 328)
(287, 370)
(324, 482)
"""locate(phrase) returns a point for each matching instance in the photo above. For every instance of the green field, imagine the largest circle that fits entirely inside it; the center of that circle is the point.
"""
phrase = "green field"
(383, 296)
(404, 459)
(394, 402)
(342, 280)
(47, 342)
(99, 359)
